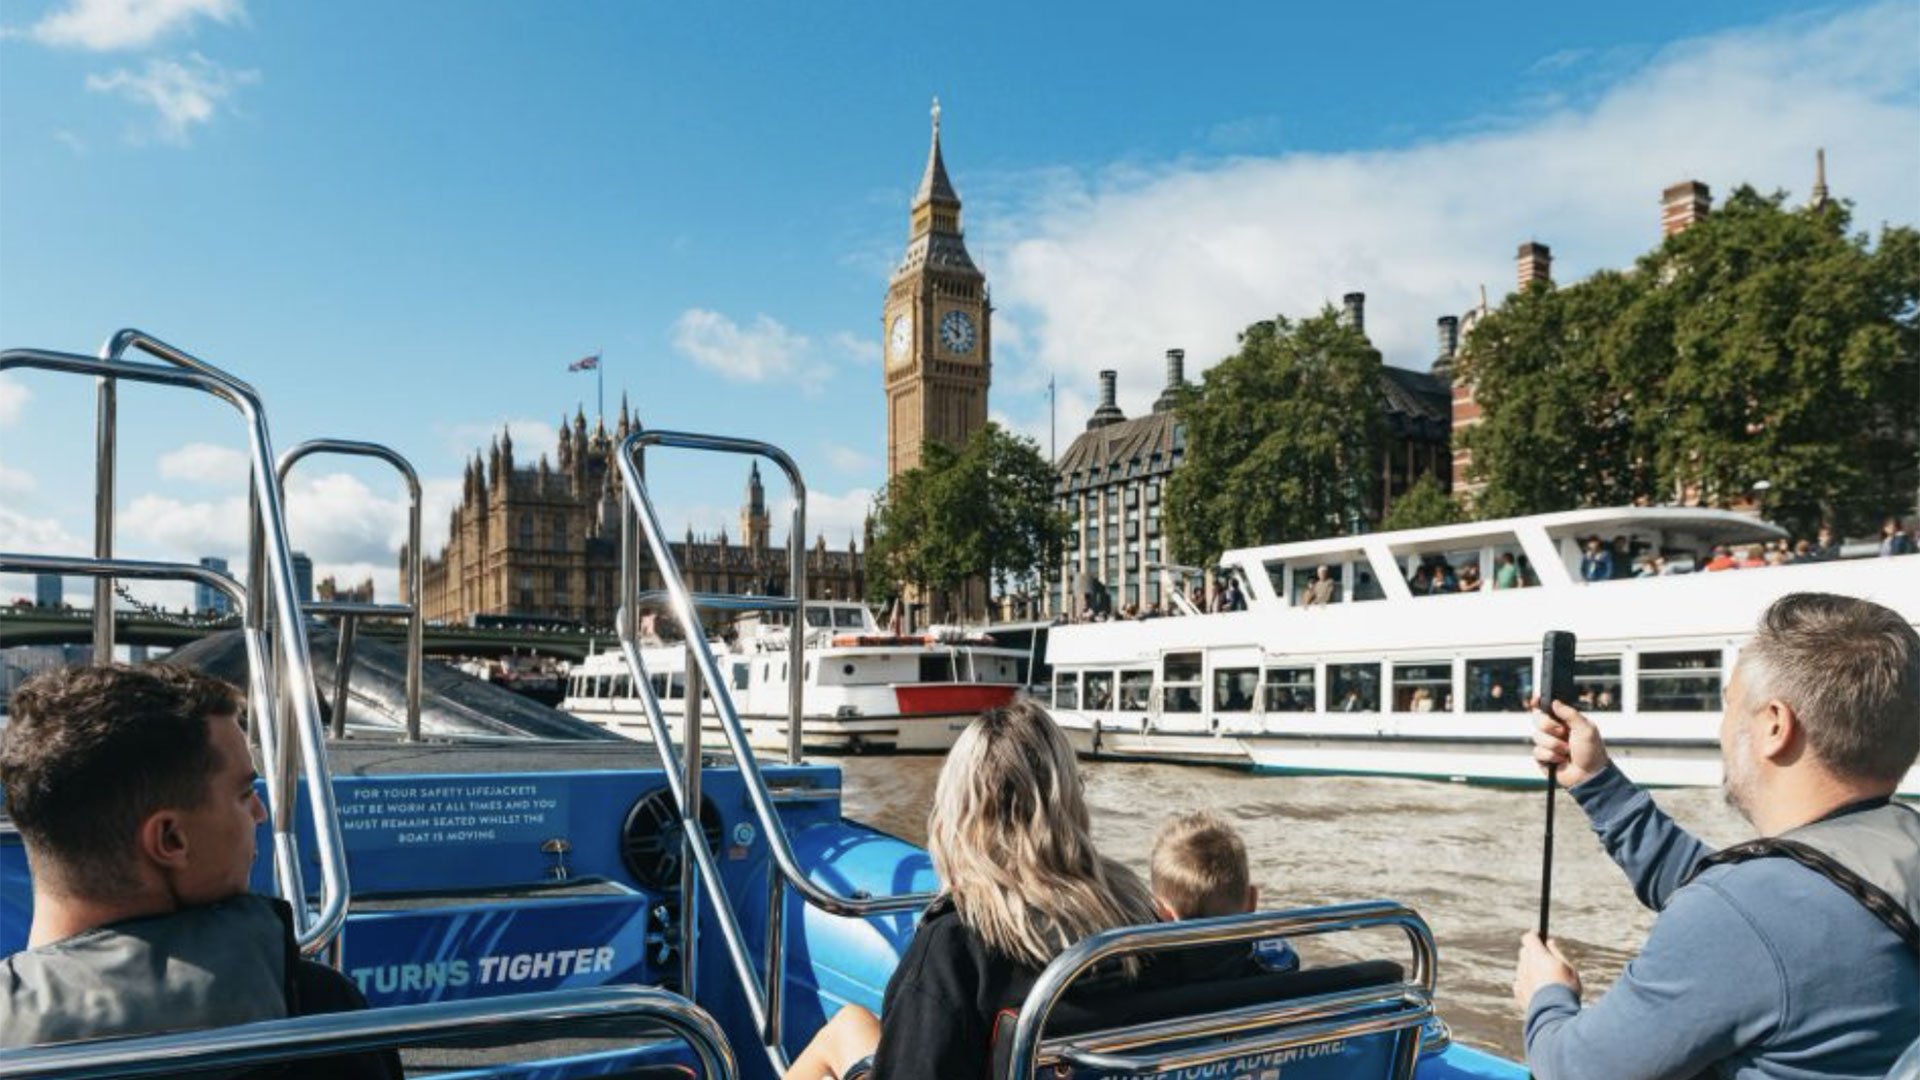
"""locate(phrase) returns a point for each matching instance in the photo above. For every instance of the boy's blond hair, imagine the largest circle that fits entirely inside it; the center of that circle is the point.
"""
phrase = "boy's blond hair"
(1200, 866)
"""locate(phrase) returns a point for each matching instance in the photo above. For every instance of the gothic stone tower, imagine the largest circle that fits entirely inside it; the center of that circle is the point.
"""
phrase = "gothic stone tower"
(935, 326)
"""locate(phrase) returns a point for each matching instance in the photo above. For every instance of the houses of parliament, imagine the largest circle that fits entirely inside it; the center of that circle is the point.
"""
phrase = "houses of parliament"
(542, 539)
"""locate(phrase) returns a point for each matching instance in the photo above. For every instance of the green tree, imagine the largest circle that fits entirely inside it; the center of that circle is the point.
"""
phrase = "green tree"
(1282, 440)
(1763, 343)
(985, 512)
(1423, 505)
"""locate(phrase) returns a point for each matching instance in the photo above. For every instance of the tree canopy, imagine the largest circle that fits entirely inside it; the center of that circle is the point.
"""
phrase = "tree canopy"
(1422, 505)
(984, 512)
(1763, 352)
(1281, 440)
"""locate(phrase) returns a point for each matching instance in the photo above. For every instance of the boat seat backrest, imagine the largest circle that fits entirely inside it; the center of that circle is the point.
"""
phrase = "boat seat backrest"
(1147, 1020)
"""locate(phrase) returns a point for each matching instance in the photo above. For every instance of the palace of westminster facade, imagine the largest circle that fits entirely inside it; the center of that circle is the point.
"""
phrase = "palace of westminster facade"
(542, 539)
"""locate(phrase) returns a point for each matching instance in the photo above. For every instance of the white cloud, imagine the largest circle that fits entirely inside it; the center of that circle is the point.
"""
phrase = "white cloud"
(531, 438)
(761, 351)
(104, 25)
(13, 398)
(859, 351)
(1108, 268)
(72, 142)
(205, 463)
(15, 481)
(181, 95)
(836, 517)
(847, 459)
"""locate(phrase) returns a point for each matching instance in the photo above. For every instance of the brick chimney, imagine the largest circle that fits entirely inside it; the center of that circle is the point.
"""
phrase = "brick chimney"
(1176, 378)
(1356, 311)
(1108, 412)
(1683, 205)
(1535, 263)
(1448, 327)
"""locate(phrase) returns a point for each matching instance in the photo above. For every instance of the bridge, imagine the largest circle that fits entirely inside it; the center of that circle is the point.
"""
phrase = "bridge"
(61, 626)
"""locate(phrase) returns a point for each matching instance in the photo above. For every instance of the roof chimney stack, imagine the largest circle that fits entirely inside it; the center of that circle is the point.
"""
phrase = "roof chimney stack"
(1449, 327)
(1683, 205)
(1176, 378)
(1356, 308)
(1108, 412)
(1536, 264)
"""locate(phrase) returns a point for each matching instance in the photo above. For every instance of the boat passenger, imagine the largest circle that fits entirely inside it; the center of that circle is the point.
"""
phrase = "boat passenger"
(134, 793)
(1790, 956)
(1597, 563)
(1470, 578)
(1011, 839)
(1322, 589)
(1199, 870)
(1506, 574)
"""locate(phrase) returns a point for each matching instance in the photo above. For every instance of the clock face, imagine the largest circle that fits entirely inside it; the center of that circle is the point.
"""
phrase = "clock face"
(956, 332)
(901, 338)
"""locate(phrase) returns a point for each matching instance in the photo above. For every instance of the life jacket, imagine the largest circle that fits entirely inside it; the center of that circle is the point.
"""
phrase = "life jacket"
(1872, 854)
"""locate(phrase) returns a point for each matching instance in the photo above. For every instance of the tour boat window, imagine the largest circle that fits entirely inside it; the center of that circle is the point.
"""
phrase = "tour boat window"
(848, 619)
(676, 685)
(1365, 585)
(622, 686)
(1180, 683)
(1099, 689)
(1233, 689)
(806, 673)
(1353, 687)
(1510, 569)
(742, 674)
(1289, 689)
(1423, 687)
(1499, 685)
(936, 667)
(659, 684)
(819, 617)
(1597, 684)
(1136, 690)
(1066, 690)
(1680, 682)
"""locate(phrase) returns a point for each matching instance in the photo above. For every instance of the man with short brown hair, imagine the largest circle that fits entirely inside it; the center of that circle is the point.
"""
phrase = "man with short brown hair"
(1796, 955)
(133, 790)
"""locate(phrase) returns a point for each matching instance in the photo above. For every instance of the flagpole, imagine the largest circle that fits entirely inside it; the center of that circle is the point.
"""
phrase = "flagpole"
(600, 384)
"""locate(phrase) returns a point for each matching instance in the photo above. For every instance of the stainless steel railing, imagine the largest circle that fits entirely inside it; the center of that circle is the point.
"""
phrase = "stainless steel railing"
(1277, 1026)
(285, 685)
(517, 1019)
(350, 614)
(763, 992)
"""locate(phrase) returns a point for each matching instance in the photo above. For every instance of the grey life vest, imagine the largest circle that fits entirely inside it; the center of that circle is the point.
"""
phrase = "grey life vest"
(226, 963)
(1871, 854)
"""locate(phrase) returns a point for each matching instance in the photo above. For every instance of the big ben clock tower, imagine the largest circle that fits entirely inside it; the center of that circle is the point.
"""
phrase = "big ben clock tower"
(935, 327)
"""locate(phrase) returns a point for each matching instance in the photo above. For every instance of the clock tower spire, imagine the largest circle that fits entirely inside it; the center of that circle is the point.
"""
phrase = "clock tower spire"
(935, 326)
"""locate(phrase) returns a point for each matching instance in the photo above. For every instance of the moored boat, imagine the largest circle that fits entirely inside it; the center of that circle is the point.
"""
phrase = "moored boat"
(862, 688)
(1380, 678)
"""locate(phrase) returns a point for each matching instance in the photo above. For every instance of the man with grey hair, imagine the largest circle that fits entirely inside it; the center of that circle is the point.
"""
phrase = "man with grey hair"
(1795, 955)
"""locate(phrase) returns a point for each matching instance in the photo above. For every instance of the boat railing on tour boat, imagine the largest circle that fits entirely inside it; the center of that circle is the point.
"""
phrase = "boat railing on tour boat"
(1363, 1019)
(285, 701)
(350, 613)
(639, 521)
(510, 1021)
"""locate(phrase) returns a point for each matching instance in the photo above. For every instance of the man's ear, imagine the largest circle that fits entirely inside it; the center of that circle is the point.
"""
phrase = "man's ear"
(162, 840)
(1165, 910)
(1778, 732)
(1253, 898)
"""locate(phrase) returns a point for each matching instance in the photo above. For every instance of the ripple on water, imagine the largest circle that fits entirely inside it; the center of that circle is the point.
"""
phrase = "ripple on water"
(1467, 858)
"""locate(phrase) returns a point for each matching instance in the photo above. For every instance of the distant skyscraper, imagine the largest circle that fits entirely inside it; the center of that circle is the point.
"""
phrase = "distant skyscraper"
(208, 600)
(303, 576)
(46, 590)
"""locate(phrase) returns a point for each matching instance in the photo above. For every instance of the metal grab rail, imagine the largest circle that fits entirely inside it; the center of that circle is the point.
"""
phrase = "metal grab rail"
(313, 929)
(763, 994)
(348, 613)
(1053, 983)
(249, 1045)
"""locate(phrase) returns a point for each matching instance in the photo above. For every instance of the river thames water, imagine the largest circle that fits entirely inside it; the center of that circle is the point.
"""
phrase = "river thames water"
(1466, 857)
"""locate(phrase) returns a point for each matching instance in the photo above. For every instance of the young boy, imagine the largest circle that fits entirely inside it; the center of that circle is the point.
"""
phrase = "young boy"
(1200, 871)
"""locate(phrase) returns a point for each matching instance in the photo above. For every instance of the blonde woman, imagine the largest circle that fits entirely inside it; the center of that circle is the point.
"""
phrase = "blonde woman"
(1020, 881)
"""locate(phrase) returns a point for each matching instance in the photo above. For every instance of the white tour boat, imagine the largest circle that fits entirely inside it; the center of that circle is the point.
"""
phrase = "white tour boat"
(1384, 680)
(863, 689)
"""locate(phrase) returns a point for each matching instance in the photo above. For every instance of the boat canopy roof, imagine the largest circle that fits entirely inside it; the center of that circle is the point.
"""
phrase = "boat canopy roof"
(1690, 525)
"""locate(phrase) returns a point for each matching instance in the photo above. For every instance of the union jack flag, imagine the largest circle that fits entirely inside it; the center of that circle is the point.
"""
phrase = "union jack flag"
(585, 363)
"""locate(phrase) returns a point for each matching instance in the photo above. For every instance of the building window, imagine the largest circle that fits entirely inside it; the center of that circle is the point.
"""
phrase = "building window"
(526, 530)
(560, 585)
(560, 532)
(526, 587)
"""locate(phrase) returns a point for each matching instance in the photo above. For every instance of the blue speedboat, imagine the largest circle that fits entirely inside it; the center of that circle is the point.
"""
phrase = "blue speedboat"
(542, 898)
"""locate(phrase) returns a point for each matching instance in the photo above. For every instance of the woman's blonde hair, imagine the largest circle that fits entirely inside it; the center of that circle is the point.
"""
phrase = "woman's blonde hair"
(1011, 840)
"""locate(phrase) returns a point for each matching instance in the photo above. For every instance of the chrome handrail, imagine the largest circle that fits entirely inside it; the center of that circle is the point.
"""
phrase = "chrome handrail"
(313, 929)
(414, 609)
(1053, 982)
(763, 993)
(248, 1045)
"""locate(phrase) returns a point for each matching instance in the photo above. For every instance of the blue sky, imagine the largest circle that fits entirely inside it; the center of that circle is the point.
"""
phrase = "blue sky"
(402, 221)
